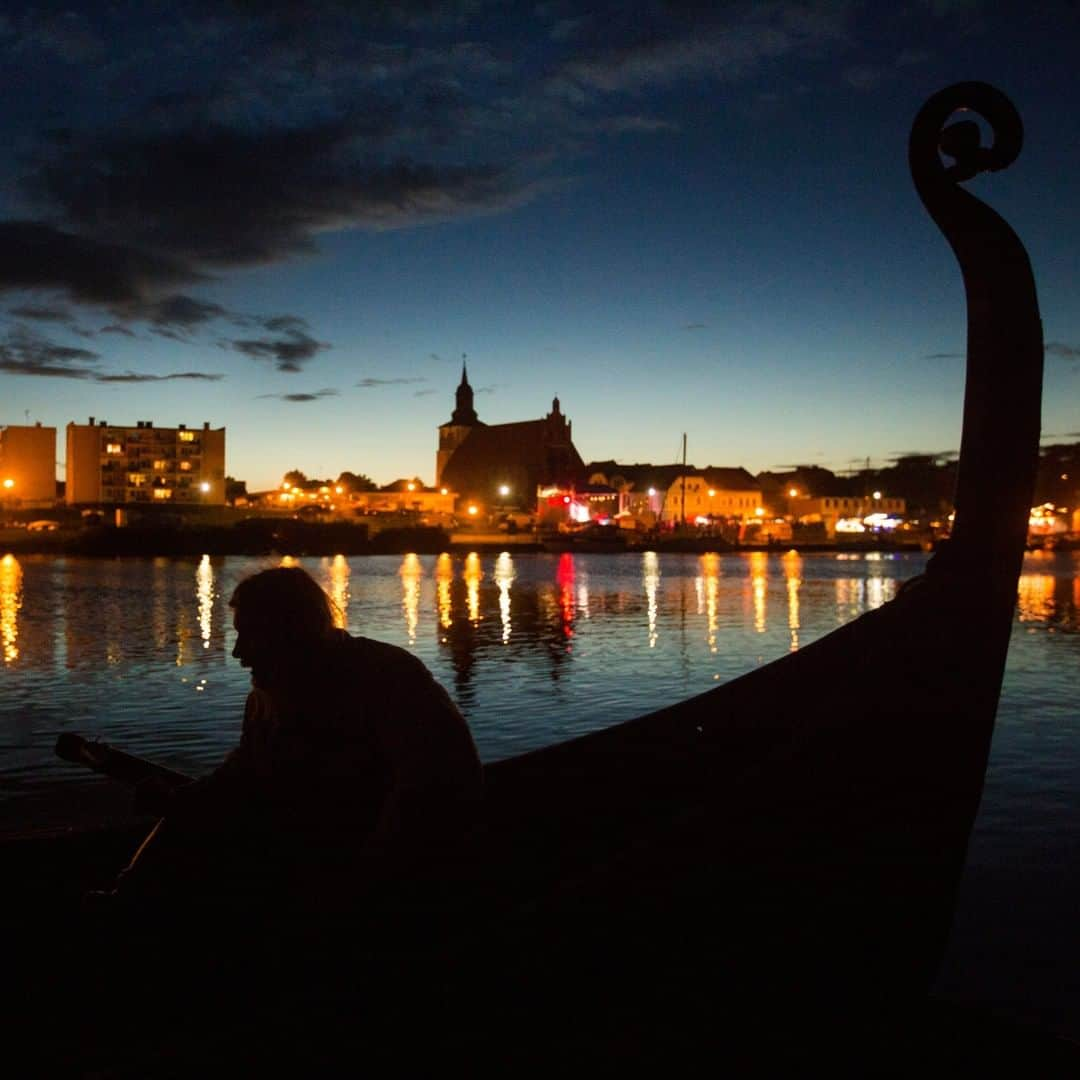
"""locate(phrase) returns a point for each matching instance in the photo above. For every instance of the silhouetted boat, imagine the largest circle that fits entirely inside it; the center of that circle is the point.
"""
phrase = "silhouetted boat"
(750, 873)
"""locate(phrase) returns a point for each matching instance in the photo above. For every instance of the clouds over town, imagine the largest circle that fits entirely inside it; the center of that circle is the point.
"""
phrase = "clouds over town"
(252, 130)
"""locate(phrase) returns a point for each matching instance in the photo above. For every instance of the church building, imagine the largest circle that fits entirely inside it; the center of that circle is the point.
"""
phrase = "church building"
(504, 464)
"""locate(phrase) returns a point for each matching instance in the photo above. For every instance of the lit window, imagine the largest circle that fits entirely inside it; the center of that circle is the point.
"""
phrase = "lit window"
(185, 465)
(161, 465)
(113, 448)
(136, 479)
(162, 493)
(187, 436)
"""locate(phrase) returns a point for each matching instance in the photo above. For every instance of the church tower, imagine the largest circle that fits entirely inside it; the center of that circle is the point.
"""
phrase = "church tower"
(462, 421)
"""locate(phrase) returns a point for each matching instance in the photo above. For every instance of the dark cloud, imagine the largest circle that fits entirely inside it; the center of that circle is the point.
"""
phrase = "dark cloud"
(24, 352)
(290, 351)
(183, 311)
(116, 328)
(1062, 351)
(627, 49)
(41, 313)
(67, 34)
(302, 397)
(230, 197)
(135, 377)
(34, 255)
(284, 324)
(369, 383)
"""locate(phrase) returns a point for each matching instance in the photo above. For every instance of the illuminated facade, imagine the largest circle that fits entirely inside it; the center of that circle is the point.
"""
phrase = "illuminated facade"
(27, 465)
(711, 495)
(833, 510)
(502, 465)
(145, 464)
(655, 494)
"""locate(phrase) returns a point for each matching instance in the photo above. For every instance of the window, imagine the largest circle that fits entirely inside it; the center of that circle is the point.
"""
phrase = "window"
(160, 465)
(162, 493)
(185, 465)
(136, 479)
(187, 436)
(113, 448)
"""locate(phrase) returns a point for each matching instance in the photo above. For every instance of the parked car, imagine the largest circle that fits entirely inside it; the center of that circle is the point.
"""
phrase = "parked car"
(44, 525)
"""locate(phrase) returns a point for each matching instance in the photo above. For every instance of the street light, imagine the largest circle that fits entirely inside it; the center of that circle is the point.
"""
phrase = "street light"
(204, 487)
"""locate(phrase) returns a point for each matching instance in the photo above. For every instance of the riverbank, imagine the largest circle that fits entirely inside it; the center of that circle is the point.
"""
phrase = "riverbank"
(285, 536)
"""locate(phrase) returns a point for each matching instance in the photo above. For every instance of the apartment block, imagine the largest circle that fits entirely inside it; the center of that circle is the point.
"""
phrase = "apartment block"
(113, 464)
(27, 464)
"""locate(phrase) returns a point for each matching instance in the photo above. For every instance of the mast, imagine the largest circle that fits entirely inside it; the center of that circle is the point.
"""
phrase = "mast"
(683, 515)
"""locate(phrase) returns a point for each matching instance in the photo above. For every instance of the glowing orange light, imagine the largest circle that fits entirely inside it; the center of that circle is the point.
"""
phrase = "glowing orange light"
(411, 486)
(566, 498)
(444, 491)
(793, 492)
(472, 509)
(339, 489)
(9, 483)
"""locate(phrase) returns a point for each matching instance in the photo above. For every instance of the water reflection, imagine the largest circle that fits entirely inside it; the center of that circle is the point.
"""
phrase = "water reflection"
(444, 576)
(473, 576)
(564, 576)
(792, 563)
(411, 571)
(1048, 594)
(759, 564)
(708, 585)
(204, 593)
(339, 589)
(503, 632)
(650, 580)
(504, 577)
(10, 601)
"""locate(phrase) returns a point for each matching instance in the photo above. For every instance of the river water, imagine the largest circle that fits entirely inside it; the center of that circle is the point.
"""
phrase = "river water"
(539, 648)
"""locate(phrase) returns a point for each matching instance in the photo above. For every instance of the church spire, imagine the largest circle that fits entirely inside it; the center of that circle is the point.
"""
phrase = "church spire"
(464, 413)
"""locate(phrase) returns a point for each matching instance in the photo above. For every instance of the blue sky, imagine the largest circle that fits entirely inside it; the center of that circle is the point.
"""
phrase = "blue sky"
(292, 219)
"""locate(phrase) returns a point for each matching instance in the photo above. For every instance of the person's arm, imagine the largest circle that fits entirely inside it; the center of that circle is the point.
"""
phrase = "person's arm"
(222, 790)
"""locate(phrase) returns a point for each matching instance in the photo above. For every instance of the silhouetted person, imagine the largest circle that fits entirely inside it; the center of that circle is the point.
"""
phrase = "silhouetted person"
(351, 755)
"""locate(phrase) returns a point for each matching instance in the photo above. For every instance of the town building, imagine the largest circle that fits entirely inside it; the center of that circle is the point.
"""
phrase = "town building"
(409, 497)
(114, 464)
(497, 467)
(848, 513)
(27, 465)
(711, 495)
(656, 494)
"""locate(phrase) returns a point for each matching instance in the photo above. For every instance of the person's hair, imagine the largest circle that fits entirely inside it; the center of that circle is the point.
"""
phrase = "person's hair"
(288, 604)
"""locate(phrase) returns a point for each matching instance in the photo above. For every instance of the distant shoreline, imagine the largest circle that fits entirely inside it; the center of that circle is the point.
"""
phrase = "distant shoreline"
(289, 537)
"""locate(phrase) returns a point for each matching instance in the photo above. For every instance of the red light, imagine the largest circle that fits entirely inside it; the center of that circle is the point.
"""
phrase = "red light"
(566, 498)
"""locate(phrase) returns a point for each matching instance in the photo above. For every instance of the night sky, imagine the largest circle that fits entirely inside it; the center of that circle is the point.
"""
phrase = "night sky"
(293, 219)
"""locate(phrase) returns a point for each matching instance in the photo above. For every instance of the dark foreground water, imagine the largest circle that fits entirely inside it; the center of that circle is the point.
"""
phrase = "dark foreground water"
(539, 648)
